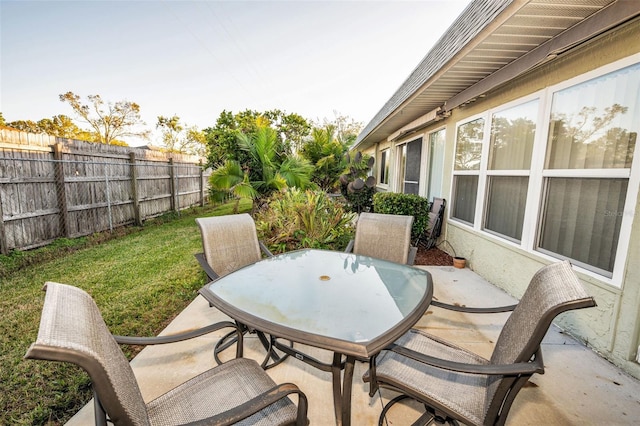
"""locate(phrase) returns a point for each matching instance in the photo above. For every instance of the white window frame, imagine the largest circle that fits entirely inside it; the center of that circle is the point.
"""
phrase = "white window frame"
(539, 141)
(399, 180)
(537, 175)
(481, 178)
(428, 160)
(632, 174)
(383, 151)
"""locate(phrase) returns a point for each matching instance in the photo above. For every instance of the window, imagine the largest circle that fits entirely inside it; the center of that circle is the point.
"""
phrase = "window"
(410, 160)
(469, 145)
(594, 125)
(506, 202)
(567, 191)
(591, 141)
(436, 163)
(466, 169)
(510, 149)
(465, 191)
(384, 167)
(581, 220)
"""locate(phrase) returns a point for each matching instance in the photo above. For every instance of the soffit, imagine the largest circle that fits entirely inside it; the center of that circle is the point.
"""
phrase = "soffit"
(488, 36)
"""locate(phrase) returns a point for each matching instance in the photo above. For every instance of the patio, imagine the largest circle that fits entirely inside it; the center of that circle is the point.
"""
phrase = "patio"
(579, 387)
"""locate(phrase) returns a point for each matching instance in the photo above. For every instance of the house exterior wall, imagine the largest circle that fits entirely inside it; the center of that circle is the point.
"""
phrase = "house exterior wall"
(613, 327)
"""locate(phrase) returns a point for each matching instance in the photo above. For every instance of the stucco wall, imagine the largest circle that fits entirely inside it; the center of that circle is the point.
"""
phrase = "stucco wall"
(613, 327)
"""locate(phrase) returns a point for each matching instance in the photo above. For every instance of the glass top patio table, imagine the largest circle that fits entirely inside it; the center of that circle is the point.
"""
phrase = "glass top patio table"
(350, 304)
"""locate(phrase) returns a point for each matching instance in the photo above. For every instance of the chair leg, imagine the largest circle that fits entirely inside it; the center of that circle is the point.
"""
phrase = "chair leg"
(267, 343)
(224, 343)
(425, 419)
(100, 416)
(231, 338)
(430, 416)
(388, 406)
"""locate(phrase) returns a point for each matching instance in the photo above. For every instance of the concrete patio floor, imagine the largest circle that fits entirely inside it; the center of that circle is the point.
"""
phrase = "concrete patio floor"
(578, 386)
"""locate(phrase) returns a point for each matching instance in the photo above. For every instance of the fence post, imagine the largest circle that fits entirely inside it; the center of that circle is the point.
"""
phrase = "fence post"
(61, 189)
(3, 236)
(174, 205)
(108, 194)
(134, 189)
(201, 184)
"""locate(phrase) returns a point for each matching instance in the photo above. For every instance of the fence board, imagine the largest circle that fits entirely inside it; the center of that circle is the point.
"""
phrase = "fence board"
(53, 187)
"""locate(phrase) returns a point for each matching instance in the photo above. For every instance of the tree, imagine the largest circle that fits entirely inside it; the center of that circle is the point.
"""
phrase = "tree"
(26, 126)
(229, 180)
(268, 169)
(2, 122)
(62, 126)
(109, 122)
(294, 129)
(196, 143)
(222, 140)
(328, 156)
(346, 128)
(178, 138)
(273, 170)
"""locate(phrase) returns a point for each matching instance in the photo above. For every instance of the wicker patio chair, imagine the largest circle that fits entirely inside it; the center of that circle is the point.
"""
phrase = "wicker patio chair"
(457, 385)
(239, 391)
(230, 242)
(384, 236)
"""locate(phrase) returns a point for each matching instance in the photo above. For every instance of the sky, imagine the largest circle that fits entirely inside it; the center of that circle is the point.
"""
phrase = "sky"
(195, 59)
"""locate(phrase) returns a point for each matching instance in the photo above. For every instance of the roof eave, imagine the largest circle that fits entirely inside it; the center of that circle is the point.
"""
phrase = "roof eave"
(586, 29)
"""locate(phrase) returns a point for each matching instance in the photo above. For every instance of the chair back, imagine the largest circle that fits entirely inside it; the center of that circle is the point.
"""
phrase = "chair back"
(72, 330)
(229, 242)
(434, 227)
(435, 216)
(553, 289)
(384, 236)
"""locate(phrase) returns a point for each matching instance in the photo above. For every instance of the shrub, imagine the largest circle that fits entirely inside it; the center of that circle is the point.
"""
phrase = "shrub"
(356, 186)
(405, 204)
(358, 201)
(294, 219)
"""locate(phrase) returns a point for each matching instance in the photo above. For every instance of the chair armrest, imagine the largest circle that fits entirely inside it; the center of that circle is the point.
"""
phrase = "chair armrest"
(257, 404)
(413, 251)
(535, 366)
(471, 310)
(264, 249)
(179, 337)
(349, 248)
(206, 267)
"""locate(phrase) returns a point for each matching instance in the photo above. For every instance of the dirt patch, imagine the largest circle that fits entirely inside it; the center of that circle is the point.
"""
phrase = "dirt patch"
(433, 256)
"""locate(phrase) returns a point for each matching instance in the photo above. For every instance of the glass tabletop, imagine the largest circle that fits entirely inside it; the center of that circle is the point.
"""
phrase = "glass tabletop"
(325, 298)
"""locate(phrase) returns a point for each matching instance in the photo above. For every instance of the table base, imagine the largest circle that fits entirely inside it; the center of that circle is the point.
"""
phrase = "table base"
(341, 384)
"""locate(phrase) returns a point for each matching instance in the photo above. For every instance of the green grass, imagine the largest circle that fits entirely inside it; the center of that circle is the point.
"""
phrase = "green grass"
(140, 280)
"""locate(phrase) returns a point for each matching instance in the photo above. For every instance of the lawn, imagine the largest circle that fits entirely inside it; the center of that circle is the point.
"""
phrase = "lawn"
(140, 280)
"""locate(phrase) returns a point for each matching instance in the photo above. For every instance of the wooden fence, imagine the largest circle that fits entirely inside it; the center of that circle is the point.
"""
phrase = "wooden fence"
(52, 187)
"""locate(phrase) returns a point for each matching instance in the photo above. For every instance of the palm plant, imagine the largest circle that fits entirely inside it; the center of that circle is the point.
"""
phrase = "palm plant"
(267, 170)
(230, 181)
(327, 154)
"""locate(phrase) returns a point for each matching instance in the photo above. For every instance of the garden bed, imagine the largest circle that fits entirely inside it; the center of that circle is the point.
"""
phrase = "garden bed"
(433, 256)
